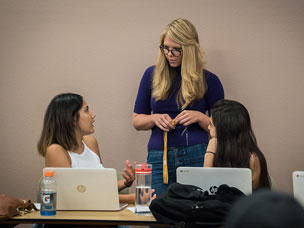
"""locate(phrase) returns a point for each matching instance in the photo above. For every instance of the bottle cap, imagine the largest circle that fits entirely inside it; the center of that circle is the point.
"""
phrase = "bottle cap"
(143, 168)
(49, 173)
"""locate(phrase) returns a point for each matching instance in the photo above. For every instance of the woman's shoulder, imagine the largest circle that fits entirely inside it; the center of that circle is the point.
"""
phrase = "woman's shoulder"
(91, 142)
(150, 68)
(146, 79)
(254, 160)
(57, 156)
(209, 76)
(55, 148)
(215, 87)
(149, 72)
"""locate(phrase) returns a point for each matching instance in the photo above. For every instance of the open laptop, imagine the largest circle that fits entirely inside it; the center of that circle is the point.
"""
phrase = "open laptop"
(86, 189)
(210, 178)
(298, 186)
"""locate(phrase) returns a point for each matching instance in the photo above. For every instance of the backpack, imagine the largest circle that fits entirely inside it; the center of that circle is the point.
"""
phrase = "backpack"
(191, 206)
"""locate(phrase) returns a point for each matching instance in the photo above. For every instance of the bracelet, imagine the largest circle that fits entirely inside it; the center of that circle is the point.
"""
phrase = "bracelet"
(210, 152)
(128, 186)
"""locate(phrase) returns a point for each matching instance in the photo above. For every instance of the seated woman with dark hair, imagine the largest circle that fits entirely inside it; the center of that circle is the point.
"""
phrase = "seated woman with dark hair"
(233, 143)
(66, 141)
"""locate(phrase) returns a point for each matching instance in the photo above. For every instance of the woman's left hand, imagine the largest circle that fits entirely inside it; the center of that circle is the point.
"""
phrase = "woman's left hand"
(128, 174)
(188, 117)
(212, 145)
(153, 195)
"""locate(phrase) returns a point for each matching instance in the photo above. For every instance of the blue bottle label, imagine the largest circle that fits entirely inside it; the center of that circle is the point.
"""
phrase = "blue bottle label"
(48, 203)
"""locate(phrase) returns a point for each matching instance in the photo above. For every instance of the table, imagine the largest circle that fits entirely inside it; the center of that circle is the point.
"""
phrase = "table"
(123, 217)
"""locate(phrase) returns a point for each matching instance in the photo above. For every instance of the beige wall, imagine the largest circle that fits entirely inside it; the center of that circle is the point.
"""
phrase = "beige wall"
(101, 48)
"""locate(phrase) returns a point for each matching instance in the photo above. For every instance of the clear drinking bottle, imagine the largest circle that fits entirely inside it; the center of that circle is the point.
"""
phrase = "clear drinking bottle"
(143, 194)
(48, 194)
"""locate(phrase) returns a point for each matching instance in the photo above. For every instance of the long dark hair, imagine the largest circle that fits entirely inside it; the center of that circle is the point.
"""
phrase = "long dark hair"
(59, 122)
(236, 141)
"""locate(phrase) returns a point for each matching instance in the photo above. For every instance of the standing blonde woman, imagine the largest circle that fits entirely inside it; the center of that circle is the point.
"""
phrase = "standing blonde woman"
(172, 101)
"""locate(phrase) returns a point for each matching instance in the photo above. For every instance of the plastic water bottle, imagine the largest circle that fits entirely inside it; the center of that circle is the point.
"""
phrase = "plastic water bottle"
(48, 194)
(143, 192)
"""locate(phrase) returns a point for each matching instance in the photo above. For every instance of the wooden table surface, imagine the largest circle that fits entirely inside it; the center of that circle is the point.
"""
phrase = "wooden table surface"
(123, 217)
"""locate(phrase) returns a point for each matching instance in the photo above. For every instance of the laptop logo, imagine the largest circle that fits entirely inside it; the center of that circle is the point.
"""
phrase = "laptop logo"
(213, 189)
(184, 171)
(81, 188)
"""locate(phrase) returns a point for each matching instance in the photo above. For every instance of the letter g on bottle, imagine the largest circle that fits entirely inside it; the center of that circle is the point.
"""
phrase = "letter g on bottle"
(46, 199)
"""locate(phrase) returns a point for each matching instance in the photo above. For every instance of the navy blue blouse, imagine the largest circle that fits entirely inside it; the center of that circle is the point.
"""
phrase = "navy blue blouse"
(145, 104)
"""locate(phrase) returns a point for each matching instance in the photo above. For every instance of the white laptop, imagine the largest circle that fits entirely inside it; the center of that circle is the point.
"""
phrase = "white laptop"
(210, 178)
(86, 189)
(298, 186)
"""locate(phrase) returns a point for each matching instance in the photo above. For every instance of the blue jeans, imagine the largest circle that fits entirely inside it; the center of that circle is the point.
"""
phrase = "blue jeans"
(192, 156)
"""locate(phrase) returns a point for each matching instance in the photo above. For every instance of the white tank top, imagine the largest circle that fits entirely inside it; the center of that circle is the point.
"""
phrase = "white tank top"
(87, 159)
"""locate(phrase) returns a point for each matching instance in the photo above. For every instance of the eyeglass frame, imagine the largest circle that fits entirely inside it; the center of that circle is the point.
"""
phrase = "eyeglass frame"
(162, 47)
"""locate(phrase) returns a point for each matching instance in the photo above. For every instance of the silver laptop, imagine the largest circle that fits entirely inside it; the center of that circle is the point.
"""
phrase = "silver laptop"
(86, 189)
(298, 186)
(210, 178)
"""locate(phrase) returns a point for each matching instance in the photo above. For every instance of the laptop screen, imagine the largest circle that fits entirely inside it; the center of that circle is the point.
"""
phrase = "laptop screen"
(298, 186)
(210, 178)
(86, 189)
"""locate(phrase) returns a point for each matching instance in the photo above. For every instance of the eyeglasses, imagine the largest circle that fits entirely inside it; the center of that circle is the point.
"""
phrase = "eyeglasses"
(175, 51)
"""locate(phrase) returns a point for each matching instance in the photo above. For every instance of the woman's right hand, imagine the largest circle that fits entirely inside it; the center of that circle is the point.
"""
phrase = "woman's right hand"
(128, 174)
(163, 121)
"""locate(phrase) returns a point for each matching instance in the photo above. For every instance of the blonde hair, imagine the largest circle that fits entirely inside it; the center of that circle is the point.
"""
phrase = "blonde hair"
(193, 85)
